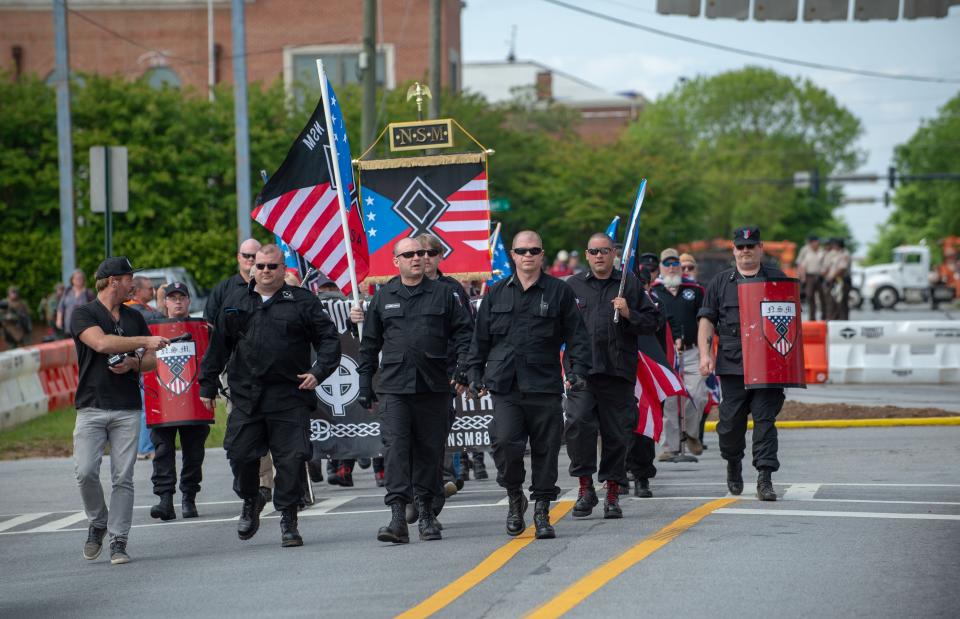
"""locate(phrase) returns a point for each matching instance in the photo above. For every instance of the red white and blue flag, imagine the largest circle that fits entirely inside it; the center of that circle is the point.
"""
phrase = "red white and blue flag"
(449, 201)
(655, 383)
(299, 203)
(714, 395)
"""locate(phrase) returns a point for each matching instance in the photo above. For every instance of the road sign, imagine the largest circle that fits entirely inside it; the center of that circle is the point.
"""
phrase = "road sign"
(113, 168)
(499, 205)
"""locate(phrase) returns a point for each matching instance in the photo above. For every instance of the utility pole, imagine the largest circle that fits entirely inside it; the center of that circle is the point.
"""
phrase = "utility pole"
(211, 69)
(68, 249)
(240, 119)
(435, 69)
(368, 64)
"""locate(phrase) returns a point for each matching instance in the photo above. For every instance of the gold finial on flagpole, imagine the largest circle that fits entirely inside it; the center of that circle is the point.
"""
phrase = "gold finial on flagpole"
(419, 91)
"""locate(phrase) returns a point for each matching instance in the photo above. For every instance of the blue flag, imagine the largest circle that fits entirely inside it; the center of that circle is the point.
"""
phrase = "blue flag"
(500, 261)
(612, 229)
(291, 261)
(633, 232)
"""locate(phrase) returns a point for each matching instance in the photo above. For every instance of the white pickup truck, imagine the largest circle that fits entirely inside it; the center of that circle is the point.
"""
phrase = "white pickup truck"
(905, 279)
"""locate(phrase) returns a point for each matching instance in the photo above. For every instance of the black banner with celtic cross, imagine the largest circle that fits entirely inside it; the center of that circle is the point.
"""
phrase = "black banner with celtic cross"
(341, 428)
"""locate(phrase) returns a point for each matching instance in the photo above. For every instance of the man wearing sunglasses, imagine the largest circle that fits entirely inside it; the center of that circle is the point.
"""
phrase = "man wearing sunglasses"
(720, 313)
(415, 322)
(680, 301)
(246, 257)
(266, 332)
(607, 404)
(515, 354)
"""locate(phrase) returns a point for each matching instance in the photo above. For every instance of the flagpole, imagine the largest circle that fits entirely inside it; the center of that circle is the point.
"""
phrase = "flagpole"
(493, 245)
(628, 245)
(325, 94)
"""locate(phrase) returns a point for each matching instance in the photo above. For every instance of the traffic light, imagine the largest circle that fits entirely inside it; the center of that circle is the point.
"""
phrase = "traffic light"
(892, 177)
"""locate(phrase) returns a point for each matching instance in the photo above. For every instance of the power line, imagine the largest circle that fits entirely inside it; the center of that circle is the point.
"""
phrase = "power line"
(751, 54)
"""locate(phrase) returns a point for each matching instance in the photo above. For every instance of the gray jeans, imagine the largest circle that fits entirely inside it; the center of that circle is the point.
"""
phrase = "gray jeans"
(692, 408)
(95, 427)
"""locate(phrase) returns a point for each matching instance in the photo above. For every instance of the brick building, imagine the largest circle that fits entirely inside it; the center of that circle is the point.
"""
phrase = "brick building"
(603, 115)
(166, 40)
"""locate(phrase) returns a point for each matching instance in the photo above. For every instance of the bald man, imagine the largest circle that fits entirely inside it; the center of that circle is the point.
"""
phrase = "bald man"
(515, 354)
(412, 320)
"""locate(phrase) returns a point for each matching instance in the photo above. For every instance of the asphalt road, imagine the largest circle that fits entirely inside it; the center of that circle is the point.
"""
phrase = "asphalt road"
(869, 525)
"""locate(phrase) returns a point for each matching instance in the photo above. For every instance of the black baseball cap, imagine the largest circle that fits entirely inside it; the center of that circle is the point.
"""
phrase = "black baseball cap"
(648, 258)
(176, 288)
(115, 266)
(748, 235)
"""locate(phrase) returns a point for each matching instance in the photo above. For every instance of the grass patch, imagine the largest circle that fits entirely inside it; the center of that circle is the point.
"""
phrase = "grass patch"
(51, 435)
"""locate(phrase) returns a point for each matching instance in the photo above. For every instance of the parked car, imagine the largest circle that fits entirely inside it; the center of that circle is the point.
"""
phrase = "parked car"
(168, 275)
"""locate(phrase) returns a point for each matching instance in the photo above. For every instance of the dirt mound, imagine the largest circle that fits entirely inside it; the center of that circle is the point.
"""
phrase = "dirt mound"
(805, 411)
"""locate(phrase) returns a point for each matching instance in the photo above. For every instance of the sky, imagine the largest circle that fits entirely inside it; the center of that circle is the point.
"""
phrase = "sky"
(618, 58)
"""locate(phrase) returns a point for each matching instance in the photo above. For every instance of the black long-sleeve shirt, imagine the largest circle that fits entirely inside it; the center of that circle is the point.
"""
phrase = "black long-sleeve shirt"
(265, 345)
(614, 346)
(413, 326)
(519, 333)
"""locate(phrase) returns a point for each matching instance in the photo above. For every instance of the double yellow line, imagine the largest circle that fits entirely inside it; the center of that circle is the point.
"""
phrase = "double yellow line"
(578, 591)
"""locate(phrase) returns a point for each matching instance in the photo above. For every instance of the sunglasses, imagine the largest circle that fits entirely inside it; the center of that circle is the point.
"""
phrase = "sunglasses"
(433, 253)
(273, 266)
(248, 256)
(601, 251)
(689, 268)
(743, 247)
(670, 263)
(410, 254)
(523, 251)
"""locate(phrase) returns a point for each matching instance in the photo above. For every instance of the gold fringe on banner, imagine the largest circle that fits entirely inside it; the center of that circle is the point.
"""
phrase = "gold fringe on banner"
(420, 162)
(382, 279)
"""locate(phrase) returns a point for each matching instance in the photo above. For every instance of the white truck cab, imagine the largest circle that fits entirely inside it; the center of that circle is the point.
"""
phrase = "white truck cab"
(904, 279)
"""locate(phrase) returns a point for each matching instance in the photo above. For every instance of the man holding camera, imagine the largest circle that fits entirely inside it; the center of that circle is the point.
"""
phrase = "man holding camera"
(114, 347)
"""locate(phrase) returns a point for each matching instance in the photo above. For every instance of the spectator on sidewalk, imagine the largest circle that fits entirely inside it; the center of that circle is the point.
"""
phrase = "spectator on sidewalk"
(76, 295)
(47, 310)
(16, 319)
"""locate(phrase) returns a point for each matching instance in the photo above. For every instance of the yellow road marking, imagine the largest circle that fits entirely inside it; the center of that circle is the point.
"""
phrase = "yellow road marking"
(711, 426)
(488, 566)
(586, 586)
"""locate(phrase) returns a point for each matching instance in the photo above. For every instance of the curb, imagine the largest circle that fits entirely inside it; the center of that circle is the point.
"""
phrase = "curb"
(711, 426)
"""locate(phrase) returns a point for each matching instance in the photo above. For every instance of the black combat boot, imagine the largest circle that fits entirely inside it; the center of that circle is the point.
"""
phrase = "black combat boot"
(429, 531)
(188, 505)
(541, 520)
(641, 488)
(734, 477)
(396, 532)
(164, 509)
(518, 507)
(586, 498)
(289, 535)
(765, 491)
(611, 506)
(250, 517)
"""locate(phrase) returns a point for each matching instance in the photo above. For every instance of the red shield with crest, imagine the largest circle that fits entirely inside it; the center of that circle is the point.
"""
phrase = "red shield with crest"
(780, 325)
(177, 367)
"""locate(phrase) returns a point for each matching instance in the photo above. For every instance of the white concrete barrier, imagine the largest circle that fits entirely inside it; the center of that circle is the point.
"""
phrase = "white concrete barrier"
(21, 393)
(886, 351)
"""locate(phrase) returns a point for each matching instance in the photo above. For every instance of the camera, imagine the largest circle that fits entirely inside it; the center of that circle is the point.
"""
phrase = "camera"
(116, 359)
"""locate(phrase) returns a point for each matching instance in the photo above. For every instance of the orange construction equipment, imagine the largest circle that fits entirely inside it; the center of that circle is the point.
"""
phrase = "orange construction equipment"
(949, 269)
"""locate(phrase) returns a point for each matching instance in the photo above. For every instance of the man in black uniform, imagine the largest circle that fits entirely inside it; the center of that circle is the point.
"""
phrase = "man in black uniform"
(246, 256)
(411, 319)
(721, 312)
(515, 354)
(608, 402)
(266, 333)
(176, 301)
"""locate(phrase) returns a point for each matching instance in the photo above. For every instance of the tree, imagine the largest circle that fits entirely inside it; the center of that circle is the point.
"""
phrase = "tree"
(927, 210)
(741, 136)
